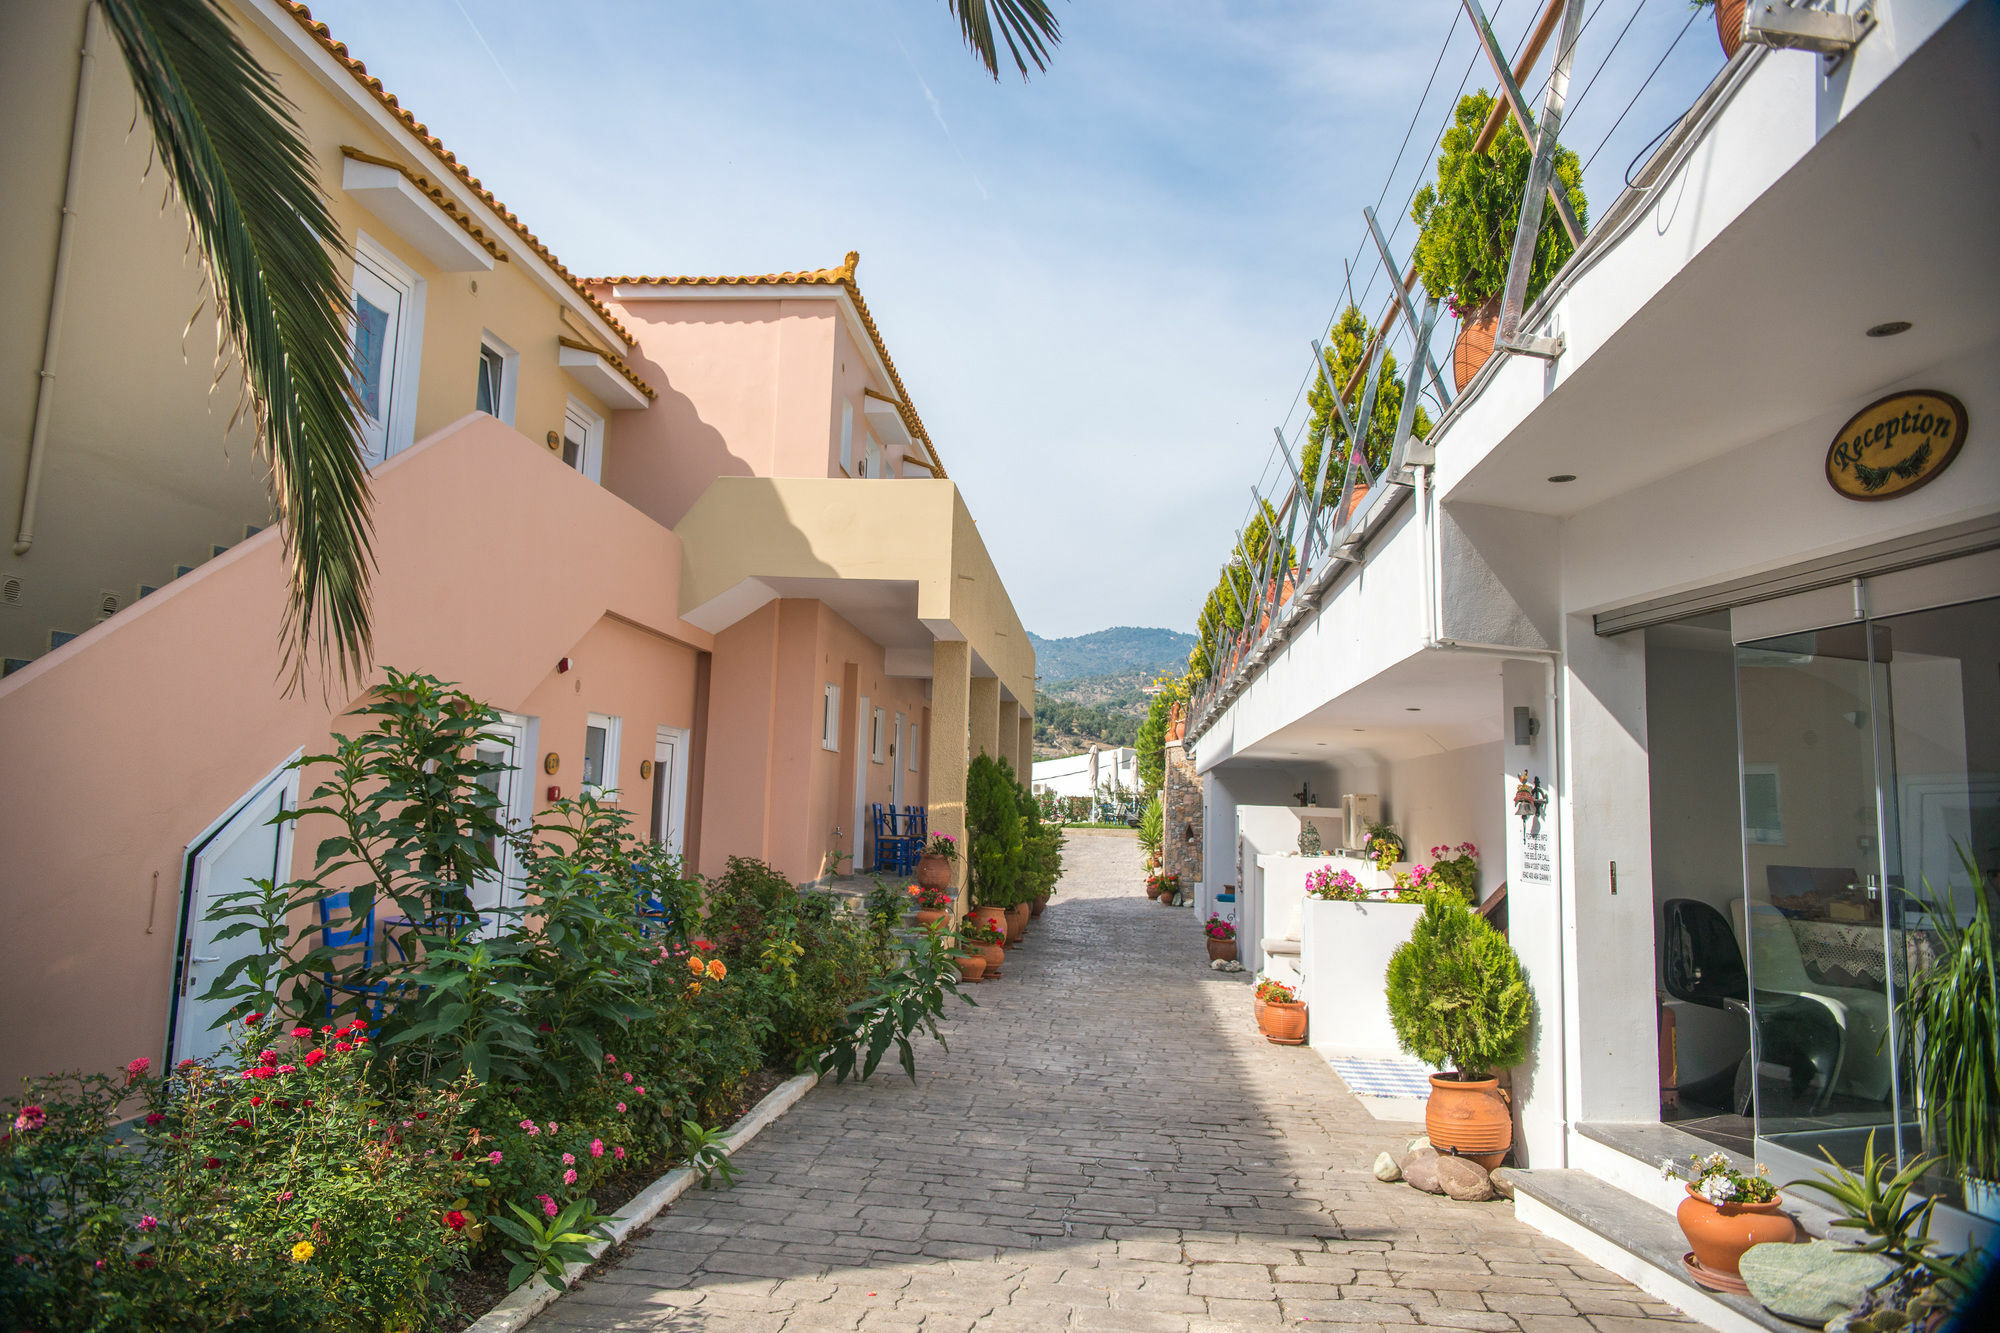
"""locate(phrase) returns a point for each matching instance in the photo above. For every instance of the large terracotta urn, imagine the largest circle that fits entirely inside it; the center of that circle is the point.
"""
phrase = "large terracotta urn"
(1017, 923)
(1729, 25)
(1176, 722)
(1475, 342)
(1467, 1117)
(927, 916)
(1221, 951)
(1283, 1024)
(971, 966)
(933, 872)
(1719, 1234)
(993, 917)
(1040, 905)
(994, 956)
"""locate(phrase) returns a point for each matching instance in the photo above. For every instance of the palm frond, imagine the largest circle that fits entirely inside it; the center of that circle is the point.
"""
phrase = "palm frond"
(236, 158)
(1027, 26)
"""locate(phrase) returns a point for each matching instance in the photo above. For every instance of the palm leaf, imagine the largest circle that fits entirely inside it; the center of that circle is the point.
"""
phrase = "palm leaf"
(1027, 26)
(235, 156)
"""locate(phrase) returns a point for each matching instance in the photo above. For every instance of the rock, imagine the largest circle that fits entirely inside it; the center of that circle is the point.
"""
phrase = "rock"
(1811, 1283)
(1422, 1148)
(1225, 965)
(1502, 1181)
(1422, 1173)
(1463, 1180)
(1386, 1168)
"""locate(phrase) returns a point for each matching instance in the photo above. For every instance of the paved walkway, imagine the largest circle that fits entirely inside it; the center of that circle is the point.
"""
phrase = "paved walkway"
(1107, 1145)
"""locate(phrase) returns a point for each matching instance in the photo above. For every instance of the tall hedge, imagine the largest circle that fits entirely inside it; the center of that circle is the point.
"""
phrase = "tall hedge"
(996, 854)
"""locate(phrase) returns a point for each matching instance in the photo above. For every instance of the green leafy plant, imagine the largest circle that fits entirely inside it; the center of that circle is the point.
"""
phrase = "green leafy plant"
(1456, 995)
(1276, 992)
(1469, 213)
(546, 1246)
(707, 1153)
(1153, 830)
(996, 854)
(1383, 845)
(900, 1006)
(1951, 1032)
(1716, 1179)
(1345, 347)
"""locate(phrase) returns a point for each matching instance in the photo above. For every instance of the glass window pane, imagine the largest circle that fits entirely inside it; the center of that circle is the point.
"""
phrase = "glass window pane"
(371, 336)
(491, 367)
(594, 739)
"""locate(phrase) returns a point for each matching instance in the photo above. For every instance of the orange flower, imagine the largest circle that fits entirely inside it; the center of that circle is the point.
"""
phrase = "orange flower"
(716, 970)
(694, 965)
(694, 988)
(914, 889)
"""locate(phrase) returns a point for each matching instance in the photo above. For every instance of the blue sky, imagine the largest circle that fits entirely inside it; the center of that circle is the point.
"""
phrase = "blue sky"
(1099, 285)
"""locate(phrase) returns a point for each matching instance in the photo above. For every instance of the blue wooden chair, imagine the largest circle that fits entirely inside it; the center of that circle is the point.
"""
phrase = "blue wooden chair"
(342, 937)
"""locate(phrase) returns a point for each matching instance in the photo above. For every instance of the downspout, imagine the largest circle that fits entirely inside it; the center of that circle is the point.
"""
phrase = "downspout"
(1435, 640)
(24, 532)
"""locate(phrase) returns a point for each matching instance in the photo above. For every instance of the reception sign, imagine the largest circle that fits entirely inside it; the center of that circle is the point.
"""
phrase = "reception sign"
(1896, 444)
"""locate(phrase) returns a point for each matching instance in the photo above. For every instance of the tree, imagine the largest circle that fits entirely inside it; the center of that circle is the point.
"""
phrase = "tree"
(235, 156)
(1152, 742)
(1345, 345)
(1027, 26)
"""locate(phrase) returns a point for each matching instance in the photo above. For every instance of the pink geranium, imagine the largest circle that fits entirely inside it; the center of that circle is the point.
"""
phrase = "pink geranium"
(597, 1147)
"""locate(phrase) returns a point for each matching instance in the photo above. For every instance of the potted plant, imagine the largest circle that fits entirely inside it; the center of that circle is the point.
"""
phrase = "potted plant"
(1468, 216)
(1170, 888)
(1383, 845)
(1728, 23)
(1282, 1017)
(933, 904)
(1017, 922)
(1454, 868)
(934, 866)
(1458, 1001)
(971, 961)
(977, 932)
(1726, 1212)
(1951, 1039)
(1221, 939)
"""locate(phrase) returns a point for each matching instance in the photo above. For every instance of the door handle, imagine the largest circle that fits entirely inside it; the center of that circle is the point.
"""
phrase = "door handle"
(198, 958)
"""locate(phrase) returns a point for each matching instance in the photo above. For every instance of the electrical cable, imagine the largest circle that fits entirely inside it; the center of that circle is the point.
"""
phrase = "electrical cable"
(1692, 15)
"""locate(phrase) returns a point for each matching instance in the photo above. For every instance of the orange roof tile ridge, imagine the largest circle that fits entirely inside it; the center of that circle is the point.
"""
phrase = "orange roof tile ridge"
(338, 50)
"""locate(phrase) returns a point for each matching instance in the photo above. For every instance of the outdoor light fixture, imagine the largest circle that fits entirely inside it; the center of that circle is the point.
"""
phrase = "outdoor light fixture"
(1561, 477)
(562, 665)
(1891, 329)
(1526, 724)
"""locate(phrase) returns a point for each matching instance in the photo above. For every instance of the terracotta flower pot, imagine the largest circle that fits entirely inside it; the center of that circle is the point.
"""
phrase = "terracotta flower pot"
(1220, 951)
(927, 915)
(1719, 1235)
(1167, 897)
(1467, 1117)
(1729, 26)
(994, 956)
(933, 872)
(994, 917)
(971, 967)
(1017, 923)
(1152, 890)
(1475, 342)
(1257, 1011)
(1039, 906)
(1283, 1024)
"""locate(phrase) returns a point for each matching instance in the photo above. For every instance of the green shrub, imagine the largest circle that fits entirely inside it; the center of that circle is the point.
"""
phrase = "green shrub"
(1456, 994)
(1153, 829)
(996, 855)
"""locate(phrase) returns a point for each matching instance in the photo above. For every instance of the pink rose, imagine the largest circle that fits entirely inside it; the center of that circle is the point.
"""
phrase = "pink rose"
(137, 1067)
(618, 1153)
(549, 1208)
(597, 1147)
(569, 1176)
(493, 1157)
(569, 1159)
(621, 1108)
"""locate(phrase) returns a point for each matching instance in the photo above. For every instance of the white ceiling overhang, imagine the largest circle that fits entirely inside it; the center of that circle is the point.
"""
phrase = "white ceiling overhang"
(594, 371)
(393, 197)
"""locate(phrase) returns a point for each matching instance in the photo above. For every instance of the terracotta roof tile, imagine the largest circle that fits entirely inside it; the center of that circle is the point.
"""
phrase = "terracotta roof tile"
(338, 50)
(817, 277)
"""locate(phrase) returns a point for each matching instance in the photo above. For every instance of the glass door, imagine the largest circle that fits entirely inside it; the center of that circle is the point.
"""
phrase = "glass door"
(1817, 784)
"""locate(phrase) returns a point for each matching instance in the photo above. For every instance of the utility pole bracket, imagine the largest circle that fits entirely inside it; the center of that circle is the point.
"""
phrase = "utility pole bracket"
(1789, 27)
(1548, 349)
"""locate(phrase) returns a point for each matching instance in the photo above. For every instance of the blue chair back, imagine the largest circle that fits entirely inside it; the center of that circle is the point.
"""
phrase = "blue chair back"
(342, 937)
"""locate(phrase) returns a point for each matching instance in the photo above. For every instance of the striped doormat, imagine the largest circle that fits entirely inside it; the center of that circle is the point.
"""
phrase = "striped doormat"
(1383, 1078)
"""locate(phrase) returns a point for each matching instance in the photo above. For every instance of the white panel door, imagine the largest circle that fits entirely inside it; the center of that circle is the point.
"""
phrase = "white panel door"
(864, 718)
(670, 749)
(246, 846)
(381, 316)
(896, 764)
(506, 744)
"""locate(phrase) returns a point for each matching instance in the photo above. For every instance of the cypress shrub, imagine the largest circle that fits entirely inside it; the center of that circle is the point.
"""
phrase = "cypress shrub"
(1456, 994)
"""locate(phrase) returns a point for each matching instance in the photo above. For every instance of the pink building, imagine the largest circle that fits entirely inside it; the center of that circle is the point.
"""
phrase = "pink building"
(688, 535)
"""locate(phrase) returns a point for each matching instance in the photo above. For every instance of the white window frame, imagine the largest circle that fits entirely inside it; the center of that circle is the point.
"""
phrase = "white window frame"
(911, 742)
(672, 741)
(515, 734)
(878, 727)
(607, 791)
(402, 423)
(847, 435)
(829, 719)
(591, 464)
(871, 457)
(510, 373)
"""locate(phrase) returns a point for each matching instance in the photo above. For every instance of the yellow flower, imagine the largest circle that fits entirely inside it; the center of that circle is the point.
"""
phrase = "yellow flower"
(302, 1251)
(716, 970)
(694, 965)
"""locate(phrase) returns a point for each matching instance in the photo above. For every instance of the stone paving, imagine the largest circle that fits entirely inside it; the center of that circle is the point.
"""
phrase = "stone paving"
(1109, 1145)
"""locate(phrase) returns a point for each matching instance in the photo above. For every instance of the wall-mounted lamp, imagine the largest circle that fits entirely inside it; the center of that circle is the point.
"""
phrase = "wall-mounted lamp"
(1526, 725)
(562, 666)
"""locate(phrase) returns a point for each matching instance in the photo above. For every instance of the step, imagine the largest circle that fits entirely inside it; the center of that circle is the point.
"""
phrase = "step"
(1633, 1239)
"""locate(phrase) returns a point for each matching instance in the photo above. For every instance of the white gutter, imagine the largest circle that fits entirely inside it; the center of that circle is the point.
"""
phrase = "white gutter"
(45, 396)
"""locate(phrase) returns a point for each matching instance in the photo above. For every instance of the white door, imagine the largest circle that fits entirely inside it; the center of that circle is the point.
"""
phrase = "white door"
(505, 744)
(243, 847)
(583, 440)
(383, 315)
(670, 750)
(896, 764)
(864, 718)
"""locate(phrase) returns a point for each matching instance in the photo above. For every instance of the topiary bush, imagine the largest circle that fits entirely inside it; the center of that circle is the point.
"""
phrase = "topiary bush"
(1456, 994)
(997, 856)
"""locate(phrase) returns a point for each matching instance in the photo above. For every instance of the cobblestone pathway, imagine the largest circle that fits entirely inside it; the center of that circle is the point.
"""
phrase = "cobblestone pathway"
(1108, 1145)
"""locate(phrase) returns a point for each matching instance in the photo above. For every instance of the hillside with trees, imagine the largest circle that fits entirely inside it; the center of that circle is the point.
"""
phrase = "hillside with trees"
(1093, 687)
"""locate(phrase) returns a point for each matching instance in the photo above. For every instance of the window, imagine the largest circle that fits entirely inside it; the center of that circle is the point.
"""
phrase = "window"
(829, 719)
(871, 459)
(495, 392)
(387, 334)
(847, 435)
(912, 747)
(583, 440)
(600, 757)
(877, 730)
(1763, 808)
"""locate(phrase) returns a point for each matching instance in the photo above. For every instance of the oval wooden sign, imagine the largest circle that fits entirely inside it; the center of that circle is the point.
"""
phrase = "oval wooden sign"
(1896, 444)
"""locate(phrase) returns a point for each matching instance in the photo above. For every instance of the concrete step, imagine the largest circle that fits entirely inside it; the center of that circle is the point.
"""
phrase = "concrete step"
(1635, 1240)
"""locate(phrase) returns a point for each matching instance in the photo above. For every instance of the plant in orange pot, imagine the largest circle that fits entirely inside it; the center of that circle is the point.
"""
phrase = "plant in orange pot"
(976, 934)
(933, 904)
(1468, 216)
(1221, 939)
(934, 866)
(1282, 1019)
(1458, 1001)
(1726, 1212)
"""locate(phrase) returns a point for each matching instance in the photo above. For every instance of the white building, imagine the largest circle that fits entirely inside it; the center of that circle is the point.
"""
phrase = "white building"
(1097, 772)
(1627, 574)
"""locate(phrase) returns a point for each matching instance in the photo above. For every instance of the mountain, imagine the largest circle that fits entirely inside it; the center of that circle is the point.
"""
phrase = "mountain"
(1107, 652)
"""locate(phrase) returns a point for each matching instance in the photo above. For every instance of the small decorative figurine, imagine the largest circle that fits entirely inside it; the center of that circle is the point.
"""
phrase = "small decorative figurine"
(1308, 838)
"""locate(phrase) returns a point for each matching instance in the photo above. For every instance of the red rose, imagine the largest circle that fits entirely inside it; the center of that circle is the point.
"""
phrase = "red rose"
(455, 1220)
(313, 1057)
(343, 1046)
(252, 1020)
(154, 1117)
(256, 1101)
(212, 1163)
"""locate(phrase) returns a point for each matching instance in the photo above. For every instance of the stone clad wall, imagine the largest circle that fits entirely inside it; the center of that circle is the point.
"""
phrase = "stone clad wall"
(1180, 801)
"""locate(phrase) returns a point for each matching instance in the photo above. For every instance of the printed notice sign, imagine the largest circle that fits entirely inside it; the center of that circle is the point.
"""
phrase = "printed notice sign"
(1530, 822)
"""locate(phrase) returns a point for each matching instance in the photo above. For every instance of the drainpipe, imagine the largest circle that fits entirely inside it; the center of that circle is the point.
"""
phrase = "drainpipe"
(24, 533)
(1435, 640)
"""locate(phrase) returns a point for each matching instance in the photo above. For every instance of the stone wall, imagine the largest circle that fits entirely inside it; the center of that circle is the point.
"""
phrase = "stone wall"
(1180, 802)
